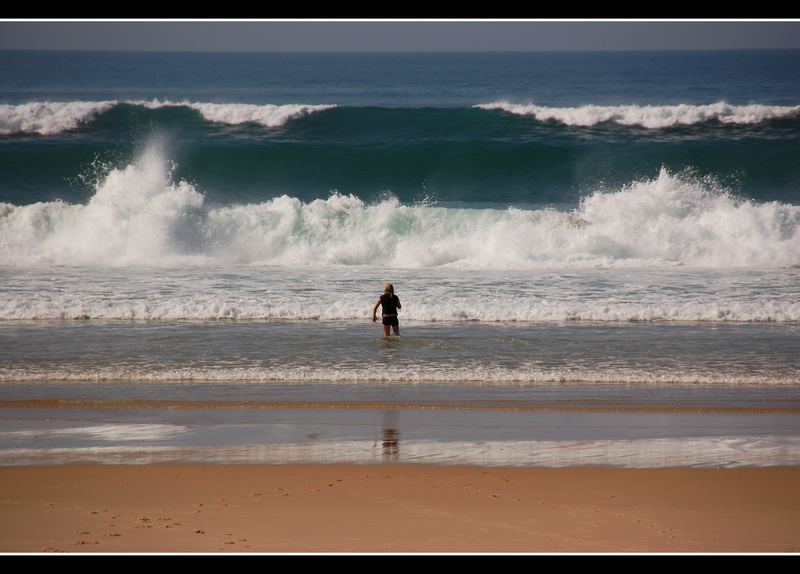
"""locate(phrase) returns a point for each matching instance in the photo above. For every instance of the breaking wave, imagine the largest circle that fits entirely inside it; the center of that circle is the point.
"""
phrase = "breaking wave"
(651, 117)
(49, 118)
(139, 215)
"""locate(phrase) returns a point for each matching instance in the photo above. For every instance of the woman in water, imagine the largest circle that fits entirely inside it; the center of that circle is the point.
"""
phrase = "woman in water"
(390, 303)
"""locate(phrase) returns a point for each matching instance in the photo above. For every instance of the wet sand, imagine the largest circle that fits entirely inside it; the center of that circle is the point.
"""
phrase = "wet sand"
(396, 508)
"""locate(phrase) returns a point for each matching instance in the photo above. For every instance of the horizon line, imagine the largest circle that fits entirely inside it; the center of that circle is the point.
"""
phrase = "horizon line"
(373, 51)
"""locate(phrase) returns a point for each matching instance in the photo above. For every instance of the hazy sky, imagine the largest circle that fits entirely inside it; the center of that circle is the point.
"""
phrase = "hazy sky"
(397, 36)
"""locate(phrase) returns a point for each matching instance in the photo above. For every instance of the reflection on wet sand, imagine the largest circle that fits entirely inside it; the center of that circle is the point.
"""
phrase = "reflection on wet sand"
(391, 436)
(707, 452)
(483, 437)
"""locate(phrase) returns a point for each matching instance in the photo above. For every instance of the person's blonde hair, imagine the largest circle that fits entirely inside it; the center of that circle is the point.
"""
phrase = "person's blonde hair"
(388, 289)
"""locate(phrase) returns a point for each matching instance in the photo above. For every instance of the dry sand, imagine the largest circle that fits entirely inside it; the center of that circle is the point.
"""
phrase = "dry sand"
(396, 508)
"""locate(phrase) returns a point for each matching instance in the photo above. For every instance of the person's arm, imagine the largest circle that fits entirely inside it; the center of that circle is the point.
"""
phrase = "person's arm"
(397, 302)
(375, 310)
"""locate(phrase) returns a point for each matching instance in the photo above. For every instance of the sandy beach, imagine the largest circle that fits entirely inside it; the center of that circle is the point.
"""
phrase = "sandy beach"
(597, 252)
(396, 508)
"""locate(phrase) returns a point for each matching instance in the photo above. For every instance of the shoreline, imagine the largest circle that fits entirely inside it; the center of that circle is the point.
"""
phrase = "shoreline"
(179, 507)
(297, 425)
(566, 406)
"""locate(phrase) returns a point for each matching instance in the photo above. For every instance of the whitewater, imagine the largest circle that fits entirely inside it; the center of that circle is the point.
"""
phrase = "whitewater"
(49, 118)
(139, 215)
(649, 116)
(146, 246)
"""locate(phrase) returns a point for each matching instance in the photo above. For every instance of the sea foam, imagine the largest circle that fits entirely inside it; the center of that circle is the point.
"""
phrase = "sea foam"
(260, 295)
(472, 374)
(651, 117)
(50, 118)
(139, 215)
(267, 115)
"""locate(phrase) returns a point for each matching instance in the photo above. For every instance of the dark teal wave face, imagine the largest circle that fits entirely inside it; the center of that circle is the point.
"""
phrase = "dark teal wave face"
(454, 156)
(132, 121)
(405, 124)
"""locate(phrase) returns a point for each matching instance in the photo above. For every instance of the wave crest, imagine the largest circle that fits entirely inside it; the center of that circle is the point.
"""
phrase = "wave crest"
(267, 115)
(139, 215)
(651, 117)
(50, 118)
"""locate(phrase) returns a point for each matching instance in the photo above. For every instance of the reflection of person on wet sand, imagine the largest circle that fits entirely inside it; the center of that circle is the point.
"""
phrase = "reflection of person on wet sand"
(391, 443)
(391, 436)
(389, 303)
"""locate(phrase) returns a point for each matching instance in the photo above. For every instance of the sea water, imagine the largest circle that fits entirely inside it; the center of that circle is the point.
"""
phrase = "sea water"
(207, 227)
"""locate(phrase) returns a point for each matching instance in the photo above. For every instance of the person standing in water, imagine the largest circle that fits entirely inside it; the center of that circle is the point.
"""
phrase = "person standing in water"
(390, 303)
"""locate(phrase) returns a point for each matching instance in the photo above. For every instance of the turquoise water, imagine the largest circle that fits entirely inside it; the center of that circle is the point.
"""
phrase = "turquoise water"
(217, 228)
(401, 123)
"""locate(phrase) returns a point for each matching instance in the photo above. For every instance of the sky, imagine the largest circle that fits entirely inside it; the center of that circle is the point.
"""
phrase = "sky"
(397, 36)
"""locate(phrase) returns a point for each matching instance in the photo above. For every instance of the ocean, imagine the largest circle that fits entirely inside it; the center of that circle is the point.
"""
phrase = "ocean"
(595, 249)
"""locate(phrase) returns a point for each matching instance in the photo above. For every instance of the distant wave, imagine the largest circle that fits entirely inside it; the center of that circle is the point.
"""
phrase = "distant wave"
(267, 115)
(651, 117)
(49, 118)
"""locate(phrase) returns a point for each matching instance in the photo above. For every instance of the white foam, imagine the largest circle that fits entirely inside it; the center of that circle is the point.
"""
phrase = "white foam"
(268, 115)
(185, 300)
(651, 117)
(136, 214)
(670, 220)
(48, 118)
(140, 216)
(476, 374)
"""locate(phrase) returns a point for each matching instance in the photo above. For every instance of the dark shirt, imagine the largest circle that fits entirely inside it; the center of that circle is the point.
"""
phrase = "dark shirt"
(389, 304)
